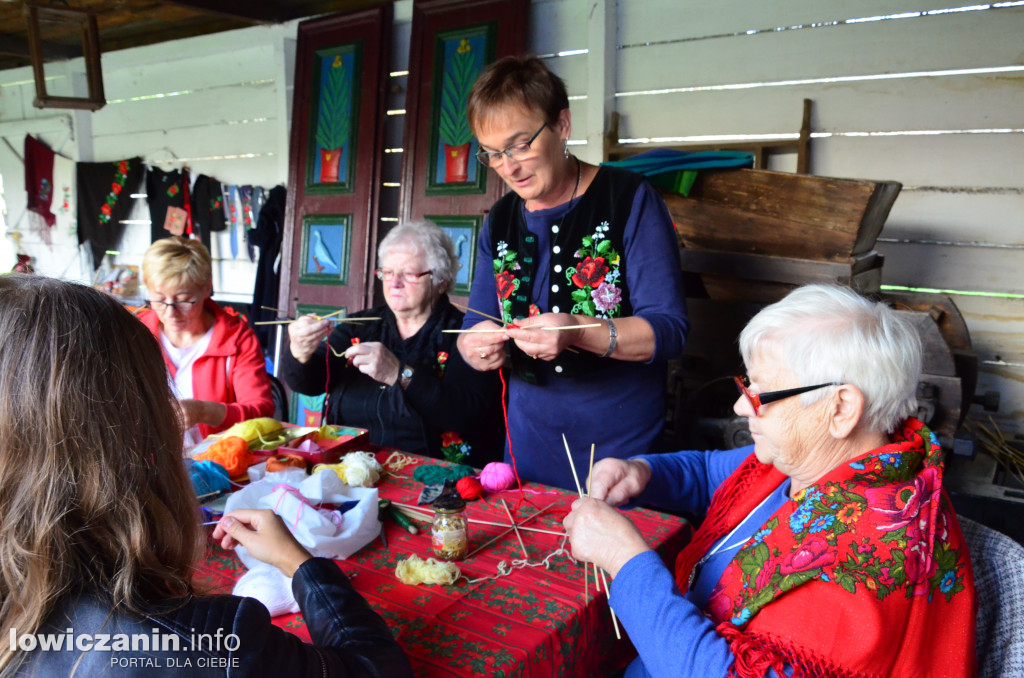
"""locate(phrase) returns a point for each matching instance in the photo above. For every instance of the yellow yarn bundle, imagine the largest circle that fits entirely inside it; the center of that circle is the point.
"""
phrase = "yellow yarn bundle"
(356, 469)
(415, 570)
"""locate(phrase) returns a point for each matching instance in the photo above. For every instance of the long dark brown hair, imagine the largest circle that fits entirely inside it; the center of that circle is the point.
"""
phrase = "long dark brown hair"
(94, 496)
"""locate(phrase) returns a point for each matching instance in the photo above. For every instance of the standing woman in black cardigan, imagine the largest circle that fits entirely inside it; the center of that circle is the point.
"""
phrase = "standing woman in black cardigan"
(99, 525)
(401, 376)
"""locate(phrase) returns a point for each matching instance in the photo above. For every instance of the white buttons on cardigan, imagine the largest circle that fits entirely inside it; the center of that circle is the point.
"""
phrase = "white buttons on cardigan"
(558, 268)
(554, 309)
(554, 288)
(558, 368)
(554, 228)
(556, 249)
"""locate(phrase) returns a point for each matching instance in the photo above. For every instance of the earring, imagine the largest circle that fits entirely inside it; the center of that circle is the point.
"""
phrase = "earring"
(565, 148)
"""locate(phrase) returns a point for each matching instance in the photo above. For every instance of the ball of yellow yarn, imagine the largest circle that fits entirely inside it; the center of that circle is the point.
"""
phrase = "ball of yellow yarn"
(415, 570)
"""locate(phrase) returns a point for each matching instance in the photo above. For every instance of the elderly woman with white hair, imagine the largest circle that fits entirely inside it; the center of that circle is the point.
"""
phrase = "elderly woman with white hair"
(401, 376)
(828, 547)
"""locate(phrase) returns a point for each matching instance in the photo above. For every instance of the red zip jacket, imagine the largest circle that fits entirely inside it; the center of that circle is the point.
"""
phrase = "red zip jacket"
(232, 371)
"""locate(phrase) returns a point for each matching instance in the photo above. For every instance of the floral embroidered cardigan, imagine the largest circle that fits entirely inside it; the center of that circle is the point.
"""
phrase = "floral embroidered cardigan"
(863, 574)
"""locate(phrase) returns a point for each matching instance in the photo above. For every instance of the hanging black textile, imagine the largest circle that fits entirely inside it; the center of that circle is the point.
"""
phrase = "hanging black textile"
(267, 236)
(207, 208)
(104, 200)
(163, 190)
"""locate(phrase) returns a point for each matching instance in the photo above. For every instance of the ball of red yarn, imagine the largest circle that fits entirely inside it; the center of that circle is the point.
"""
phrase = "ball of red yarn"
(497, 476)
(469, 488)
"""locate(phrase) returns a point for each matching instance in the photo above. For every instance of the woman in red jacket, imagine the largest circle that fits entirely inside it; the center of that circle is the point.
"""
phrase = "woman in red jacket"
(216, 364)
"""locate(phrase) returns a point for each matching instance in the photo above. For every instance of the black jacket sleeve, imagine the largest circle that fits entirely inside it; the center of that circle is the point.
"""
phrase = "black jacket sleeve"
(349, 638)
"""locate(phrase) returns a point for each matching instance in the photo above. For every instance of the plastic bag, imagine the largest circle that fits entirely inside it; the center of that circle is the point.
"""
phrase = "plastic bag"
(324, 533)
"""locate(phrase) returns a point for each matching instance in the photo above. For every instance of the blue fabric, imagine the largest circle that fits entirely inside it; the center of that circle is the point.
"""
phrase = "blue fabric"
(620, 409)
(671, 634)
(660, 160)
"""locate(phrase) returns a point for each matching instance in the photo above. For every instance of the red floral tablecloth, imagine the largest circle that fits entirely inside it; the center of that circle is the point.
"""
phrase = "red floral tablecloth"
(532, 623)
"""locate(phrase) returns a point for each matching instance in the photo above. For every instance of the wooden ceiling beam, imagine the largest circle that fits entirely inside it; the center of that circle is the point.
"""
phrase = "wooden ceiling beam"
(255, 12)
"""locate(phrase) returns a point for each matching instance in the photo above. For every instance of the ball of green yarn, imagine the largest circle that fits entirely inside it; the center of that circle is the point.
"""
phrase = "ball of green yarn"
(436, 475)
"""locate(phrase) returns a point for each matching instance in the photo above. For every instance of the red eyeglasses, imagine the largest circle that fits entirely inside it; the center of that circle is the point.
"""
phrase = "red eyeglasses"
(758, 399)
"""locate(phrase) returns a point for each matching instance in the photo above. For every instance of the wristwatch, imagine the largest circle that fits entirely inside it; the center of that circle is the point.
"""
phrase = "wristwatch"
(405, 376)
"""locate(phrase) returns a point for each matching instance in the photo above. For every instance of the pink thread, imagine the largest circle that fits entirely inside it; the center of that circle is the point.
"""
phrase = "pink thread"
(288, 489)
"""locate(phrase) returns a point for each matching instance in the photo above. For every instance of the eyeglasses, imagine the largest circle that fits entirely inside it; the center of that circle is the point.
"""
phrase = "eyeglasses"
(387, 275)
(180, 306)
(490, 158)
(758, 399)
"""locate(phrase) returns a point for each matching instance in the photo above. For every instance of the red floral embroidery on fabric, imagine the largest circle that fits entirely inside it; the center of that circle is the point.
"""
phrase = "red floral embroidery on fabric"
(590, 273)
(506, 284)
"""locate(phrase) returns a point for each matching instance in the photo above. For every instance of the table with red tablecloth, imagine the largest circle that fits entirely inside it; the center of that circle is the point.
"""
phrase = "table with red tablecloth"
(534, 622)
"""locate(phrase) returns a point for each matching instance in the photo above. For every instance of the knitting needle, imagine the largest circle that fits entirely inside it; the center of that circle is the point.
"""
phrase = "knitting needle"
(467, 309)
(525, 520)
(417, 512)
(572, 465)
(502, 329)
(526, 554)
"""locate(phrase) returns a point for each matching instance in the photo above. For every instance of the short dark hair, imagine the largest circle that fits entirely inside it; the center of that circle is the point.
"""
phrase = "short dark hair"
(519, 81)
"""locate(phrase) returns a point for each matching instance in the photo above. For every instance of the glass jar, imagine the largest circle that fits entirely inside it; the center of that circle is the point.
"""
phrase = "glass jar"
(449, 534)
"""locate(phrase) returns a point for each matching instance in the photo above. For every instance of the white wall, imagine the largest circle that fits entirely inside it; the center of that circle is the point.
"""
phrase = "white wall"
(218, 103)
(894, 99)
(934, 100)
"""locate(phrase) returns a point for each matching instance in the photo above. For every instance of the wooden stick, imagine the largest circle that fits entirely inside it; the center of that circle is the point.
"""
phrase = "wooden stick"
(417, 512)
(275, 310)
(526, 554)
(525, 520)
(560, 328)
(325, 317)
(274, 322)
(572, 465)
(471, 331)
(590, 471)
(333, 320)
(467, 309)
(615, 620)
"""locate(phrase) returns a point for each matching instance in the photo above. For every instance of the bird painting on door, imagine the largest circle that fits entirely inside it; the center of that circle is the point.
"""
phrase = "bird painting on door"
(325, 249)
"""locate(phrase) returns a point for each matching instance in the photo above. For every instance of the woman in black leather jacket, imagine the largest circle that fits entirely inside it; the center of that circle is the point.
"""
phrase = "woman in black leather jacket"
(99, 526)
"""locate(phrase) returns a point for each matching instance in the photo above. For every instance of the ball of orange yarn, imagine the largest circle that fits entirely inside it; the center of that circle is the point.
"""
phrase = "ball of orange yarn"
(285, 460)
(469, 488)
(231, 452)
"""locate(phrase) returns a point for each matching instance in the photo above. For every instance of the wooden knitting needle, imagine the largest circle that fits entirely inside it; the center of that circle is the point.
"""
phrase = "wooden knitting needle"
(579, 489)
(526, 554)
(502, 329)
(333, 320)
(525, 520)
(417, 512)
(467, 309)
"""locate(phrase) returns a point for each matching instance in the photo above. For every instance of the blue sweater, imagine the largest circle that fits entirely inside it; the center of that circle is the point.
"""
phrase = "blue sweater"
(669, 630)
(620, 409)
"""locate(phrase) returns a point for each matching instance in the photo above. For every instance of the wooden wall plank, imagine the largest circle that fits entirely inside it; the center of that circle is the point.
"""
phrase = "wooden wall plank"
(557, 25)
(977, 269)
(190, 73)
(910, 104)
(974, 39)
(986, 160)
(206, 107)
(689, 19)
(957, 217)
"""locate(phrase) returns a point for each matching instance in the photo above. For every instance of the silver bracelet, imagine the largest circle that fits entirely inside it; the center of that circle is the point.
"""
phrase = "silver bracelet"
(613, 338)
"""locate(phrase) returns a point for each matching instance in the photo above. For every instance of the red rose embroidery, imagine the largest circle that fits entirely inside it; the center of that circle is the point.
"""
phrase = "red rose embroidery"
(116, 188)
(506, 284)
(122, 167)
(105, 209)
(590, 272)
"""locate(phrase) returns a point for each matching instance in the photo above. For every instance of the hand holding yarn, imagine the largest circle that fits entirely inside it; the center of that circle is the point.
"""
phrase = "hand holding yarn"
(264, 535)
